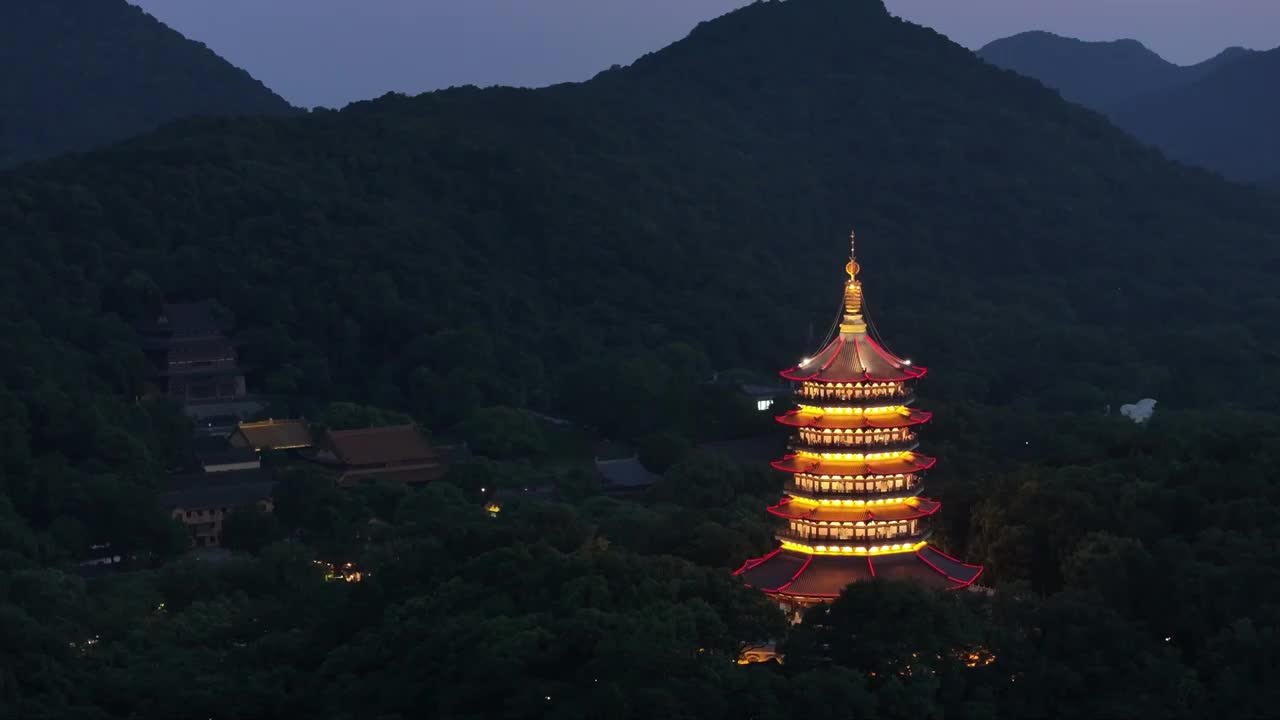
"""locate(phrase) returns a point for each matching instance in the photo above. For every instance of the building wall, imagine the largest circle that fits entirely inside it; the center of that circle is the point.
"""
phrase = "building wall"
(205, 523)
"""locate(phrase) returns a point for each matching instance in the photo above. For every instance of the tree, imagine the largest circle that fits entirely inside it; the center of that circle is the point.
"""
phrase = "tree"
(249, 530)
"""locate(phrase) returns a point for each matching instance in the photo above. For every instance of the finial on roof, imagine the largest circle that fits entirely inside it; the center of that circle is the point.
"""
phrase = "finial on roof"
(853, 267)
(853, 322)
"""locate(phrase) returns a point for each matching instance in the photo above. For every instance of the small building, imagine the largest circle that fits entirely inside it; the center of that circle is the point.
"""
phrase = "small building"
(624, 476)
(272, 435)
(400, 453)
(764, 396)
(202, 501)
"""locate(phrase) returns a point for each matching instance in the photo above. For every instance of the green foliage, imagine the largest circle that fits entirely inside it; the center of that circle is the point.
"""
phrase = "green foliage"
(249, 530)
(659, 451)
(503, 433)
(353, 416)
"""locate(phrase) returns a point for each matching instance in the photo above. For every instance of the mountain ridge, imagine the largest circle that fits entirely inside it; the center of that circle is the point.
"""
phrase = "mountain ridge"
(1219, 113)
(79, 74)
(1098, 74)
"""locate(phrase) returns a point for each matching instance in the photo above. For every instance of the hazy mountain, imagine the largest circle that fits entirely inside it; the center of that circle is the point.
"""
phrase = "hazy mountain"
(1098, 75)
(1220, 114)
(1228, 120)
(76, 74)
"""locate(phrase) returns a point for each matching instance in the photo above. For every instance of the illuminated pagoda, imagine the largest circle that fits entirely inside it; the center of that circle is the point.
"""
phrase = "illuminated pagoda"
(853, 508)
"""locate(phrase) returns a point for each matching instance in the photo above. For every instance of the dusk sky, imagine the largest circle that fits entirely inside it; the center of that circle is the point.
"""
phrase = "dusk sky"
(331, 52)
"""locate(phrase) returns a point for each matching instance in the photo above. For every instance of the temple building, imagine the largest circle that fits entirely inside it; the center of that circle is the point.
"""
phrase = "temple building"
(853, 507)
(202, 500)
(193, 362)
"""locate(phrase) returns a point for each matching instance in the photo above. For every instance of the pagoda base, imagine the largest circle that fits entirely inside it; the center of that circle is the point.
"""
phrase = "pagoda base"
(803, 579)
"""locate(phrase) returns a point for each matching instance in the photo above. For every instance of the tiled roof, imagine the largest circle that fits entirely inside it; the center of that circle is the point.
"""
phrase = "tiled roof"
(381, 445)
(273, 434)
(221, 489)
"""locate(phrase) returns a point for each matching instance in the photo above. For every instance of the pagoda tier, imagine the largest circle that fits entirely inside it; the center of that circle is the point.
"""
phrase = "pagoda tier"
(843, 464)
(889, 418)
(853, 491)
(853, 509)
(906, 509)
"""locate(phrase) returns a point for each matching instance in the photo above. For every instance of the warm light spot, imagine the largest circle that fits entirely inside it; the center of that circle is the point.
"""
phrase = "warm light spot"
(847, 550)
(883, 410)
(853, 456)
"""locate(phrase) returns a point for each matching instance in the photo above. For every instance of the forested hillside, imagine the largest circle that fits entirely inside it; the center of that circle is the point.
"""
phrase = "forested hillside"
(597, 251)
(1219, 114)
(77, 74)
(1225, 120)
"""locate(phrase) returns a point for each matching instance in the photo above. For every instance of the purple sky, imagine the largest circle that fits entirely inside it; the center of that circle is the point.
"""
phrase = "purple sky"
(330, 52)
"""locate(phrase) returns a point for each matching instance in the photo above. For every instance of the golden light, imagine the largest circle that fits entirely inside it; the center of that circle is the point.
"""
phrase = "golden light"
(850, 549)
(884, 410)
(853, 456)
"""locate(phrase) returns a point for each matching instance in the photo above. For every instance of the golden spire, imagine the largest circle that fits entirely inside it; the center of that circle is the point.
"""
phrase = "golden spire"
(852, 322)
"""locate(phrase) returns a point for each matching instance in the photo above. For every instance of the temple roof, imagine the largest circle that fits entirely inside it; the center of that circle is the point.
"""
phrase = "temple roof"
(906, 510)
(854, 357)
(197, 490)
(381, 445)
(795, 574)
(855, 421)
(905, 464)
(273, 434)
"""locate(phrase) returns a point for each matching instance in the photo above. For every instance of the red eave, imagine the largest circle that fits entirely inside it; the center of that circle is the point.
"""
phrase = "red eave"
(959, 582)
(916, 463)
(869, 514)
(914, 417)
(755, 561)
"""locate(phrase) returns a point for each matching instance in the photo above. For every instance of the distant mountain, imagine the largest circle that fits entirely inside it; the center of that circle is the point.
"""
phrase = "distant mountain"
(77, 74)
(1099, 75)
(1227, 120)
(1220, 114)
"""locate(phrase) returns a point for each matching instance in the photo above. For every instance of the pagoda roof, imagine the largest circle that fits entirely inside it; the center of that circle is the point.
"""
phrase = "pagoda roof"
(800, 575)
(906, 510)
(854, 357)
(855, 421)
(905, 463)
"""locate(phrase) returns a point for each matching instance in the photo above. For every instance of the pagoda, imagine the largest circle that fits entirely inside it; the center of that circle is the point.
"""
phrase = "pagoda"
(853, 508)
